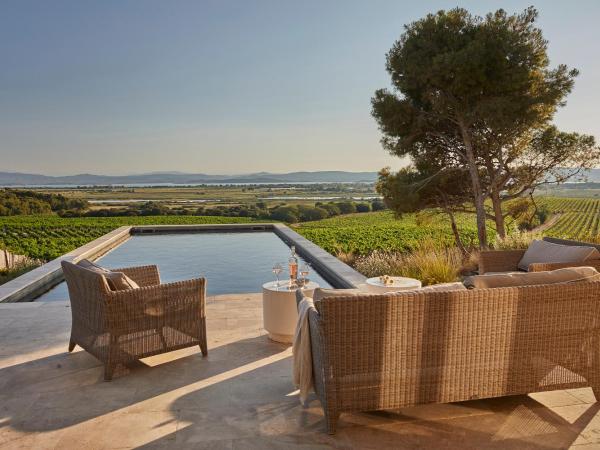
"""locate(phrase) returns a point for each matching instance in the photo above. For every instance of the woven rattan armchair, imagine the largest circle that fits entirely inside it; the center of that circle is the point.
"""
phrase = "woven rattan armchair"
(507, 260)
(377, 352)
(121, 326)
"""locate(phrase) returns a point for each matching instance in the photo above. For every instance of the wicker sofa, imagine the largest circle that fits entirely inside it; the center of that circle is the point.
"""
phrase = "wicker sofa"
(507, 260)
(121, 326)
(374, 352)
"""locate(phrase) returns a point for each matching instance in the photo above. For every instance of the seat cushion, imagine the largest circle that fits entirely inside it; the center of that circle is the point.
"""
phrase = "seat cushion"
(559, 276)
(548, 252)
(321, 293)
(442, 287)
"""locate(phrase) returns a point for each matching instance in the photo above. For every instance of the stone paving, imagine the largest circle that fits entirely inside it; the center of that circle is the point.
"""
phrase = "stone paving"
(239, 397)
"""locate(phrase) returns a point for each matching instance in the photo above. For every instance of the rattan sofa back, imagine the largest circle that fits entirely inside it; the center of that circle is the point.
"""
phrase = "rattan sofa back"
(377, 352)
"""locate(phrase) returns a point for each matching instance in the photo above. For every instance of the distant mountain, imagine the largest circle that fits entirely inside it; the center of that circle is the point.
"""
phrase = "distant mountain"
(25, 179)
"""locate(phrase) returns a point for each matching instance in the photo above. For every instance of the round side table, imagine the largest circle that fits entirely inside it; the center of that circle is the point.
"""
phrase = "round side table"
(399, 284)
(280, 312)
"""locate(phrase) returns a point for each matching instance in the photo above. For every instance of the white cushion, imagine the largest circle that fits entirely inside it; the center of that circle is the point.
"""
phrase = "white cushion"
(548, 252)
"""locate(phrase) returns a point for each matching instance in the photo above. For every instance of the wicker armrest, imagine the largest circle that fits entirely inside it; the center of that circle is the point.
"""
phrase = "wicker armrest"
(541, 267)
(142, 275)
(499, 260)
(165, 300)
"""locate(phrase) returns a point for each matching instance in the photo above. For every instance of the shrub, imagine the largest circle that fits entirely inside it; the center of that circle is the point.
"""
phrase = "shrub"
(377, 205)
(331, 209)
(429, 264)
(363, 207)
(308, 213)
(346, 257)
(346, 207)
(287, 214)
(18, 269)
(542, 214)
(17, 202)
(515, 240)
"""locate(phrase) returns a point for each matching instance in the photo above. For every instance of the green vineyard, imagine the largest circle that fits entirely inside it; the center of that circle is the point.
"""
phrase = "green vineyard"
(576, 218)
(363, 233)
(47, 237)
(570, 218)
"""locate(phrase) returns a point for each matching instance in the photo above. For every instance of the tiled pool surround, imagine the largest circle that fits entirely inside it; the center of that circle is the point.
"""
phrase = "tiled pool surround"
(43, 278)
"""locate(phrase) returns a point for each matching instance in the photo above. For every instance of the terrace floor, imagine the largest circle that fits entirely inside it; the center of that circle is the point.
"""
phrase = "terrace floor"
(241, 396)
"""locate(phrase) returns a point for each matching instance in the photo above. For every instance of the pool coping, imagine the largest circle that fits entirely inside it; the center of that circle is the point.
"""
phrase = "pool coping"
(42, 278)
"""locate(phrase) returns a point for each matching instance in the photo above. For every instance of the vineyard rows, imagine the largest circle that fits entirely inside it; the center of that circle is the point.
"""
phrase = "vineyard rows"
(579, 217)
(47, 237)
(363, 233)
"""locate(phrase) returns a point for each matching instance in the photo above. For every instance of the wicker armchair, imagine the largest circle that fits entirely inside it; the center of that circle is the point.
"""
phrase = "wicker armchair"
(121, 326)
(376, 352)
(507, 260)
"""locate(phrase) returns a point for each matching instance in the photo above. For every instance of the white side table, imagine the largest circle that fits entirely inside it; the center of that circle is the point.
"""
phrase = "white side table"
(399, 284)
(280, 312)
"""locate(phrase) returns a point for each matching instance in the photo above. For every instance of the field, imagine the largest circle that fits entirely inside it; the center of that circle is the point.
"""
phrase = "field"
(46, 237)
(363, 233)
(578, 217)
(191, 197)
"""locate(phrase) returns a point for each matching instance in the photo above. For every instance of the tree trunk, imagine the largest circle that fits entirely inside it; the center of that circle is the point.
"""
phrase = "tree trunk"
(455, 232)
(498, 215)
(478, 197)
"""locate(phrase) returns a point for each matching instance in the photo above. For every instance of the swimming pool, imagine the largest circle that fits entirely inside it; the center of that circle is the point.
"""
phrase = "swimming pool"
(232, 262)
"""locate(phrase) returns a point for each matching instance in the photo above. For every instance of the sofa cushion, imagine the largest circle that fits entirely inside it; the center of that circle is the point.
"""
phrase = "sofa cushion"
(443, 287)
(566, 275)
(321, 293)
(548, 252)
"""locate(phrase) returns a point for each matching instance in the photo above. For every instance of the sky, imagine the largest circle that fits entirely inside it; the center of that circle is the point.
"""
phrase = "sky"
(227, 87)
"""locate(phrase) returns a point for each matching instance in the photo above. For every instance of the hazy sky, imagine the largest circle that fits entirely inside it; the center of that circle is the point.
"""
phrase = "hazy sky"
(224, 86)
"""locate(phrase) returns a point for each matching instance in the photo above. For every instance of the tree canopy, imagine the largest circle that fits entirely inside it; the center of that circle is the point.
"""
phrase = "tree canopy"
(478, 94)
(16, 202)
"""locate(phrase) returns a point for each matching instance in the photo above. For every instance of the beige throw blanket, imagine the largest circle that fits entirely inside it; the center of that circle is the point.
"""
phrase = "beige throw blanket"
(303, 371)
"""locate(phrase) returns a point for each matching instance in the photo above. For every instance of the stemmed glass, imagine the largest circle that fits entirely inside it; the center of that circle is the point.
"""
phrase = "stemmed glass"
(304, 271)
(277, 269)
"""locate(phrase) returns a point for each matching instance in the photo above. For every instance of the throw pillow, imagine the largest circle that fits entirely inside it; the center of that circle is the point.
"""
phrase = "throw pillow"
(548, 252)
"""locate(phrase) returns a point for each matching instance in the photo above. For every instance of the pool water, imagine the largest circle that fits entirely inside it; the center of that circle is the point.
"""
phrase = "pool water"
(231, 262)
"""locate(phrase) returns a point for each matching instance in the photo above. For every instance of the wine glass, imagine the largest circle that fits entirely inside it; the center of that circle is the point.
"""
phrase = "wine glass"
(304, 271)
(277, 269)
